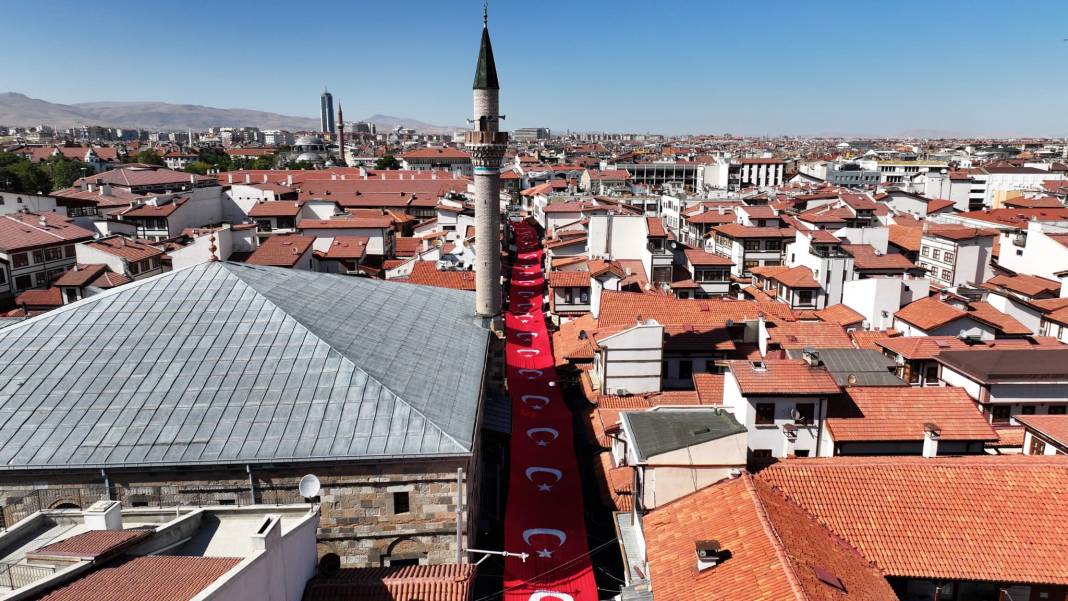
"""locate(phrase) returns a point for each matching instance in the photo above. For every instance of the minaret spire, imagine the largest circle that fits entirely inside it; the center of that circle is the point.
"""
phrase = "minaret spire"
(341, 135)
(487, 144)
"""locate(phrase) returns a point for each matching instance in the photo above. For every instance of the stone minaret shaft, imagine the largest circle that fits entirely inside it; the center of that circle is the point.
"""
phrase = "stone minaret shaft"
(341, 135)
(487, 145)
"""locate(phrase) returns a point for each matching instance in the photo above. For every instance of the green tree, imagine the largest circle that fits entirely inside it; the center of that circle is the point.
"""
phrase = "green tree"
(148, 157)
(263, 162)
(387, 162)
(29, 178)
(64, 171)
(198, 167)
(304, 165)
(215, 157)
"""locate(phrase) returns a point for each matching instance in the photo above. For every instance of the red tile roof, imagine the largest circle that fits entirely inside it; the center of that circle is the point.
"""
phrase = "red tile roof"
(281, 251)
(92, 544)
(840, 314)
(110, 279)
(574, 279)
(802, 334)
(904, 237)
(151, 209)
(346, 247)
(24, 231)
(80, 275)
(1053, 427)
(782, 376)
(932, 517)
(435, 153)
(899, 413)
(737, 230)
(701, 258)
(984, 311)
(953, 231)
(148, 578)
(709, 387)
(275, 208)
(921, 347)
(866, 257)
(121, 246)
(443, 582)
(796, 277)
(346, 222)
(624, 309)
(40, 297)
(426, 273)
(656, 227)
(146, 177)
(1028, 285)
(777, 551)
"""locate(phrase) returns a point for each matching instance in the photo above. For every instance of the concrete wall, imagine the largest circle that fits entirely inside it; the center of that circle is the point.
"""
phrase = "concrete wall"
(677, 473)
(630, 360)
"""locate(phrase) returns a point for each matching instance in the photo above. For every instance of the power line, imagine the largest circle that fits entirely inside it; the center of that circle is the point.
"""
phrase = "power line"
(546, 572)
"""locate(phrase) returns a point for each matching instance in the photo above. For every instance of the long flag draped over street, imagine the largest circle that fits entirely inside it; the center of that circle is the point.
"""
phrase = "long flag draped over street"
(544, 513)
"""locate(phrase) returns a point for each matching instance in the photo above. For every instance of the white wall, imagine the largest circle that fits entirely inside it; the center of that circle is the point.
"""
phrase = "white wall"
(630, 360)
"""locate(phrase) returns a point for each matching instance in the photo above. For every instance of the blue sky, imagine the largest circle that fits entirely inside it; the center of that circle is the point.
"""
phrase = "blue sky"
(804, 68)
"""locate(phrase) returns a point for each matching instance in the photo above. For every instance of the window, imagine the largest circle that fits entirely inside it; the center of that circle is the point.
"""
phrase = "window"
(38, 256)
(584, 296)
(948, 257)
(400, 503)
(936, 254)
(1038, 447)
(69, 251)
(925, 251)
(1027, 410)
(761, 453)
(765, 414)
(999, 414)
(1057, 409)
(22, 282)
(135, 268)
(685, 369)
(801, 453)
(751, 244)
(806, 413)
(749, 264)
(773, 245)
(71, 294)
(569, 295)
(53, 254)
(804, 297)
(19, 260)
(396, 563)
(41, 278)
(930, 374)
(947, 275)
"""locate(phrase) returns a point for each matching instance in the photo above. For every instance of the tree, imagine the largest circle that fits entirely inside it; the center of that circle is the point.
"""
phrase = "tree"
(215, 157)
(263, 162)
(29, 178)
(198, 167)
(387, 162)
(64, 171)
(148, 157)
(303, 165)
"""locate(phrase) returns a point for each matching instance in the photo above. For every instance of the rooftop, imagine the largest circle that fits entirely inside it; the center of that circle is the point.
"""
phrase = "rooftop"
(658, 432)
(310, 363)
(1010, 364)
(893, 508)
(782, 377)
(900, 414)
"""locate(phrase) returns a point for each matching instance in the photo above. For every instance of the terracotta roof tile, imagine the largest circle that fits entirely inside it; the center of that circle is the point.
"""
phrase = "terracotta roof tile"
(426, 273)
(149, 578)
(281, 251)
(777, 376)
(20, 231)
(121, 246)
(443, 582)
(869, 339)
(1053, 427)
(907, 238)
(624, 308)
(92, 544)
(802, 334)
(275, 208)
(701, 258)
(1028, 285)
(575, 279)
(892, 508)
(777, 551)
(840, 314)
(877, 413)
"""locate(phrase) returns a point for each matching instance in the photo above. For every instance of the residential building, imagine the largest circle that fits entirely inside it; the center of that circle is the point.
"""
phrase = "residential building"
(448, 159)
(35, 249)
(1010, 381)
(131, 258)
(749, 247)
(954, 255)
(1044, 434)
(782, 403)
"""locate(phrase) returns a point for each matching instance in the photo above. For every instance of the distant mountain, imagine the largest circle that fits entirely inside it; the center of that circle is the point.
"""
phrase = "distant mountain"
(388, 122)
(21, 110)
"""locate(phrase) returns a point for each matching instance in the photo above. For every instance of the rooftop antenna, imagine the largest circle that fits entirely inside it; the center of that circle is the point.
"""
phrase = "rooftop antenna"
(485, 13)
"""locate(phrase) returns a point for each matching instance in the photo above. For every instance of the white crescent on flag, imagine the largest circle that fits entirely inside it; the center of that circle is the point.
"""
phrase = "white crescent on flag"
(543, 443)
(543, 595)
(528, 352)
(544, 401)
(531, 373)
(559, 535)
(544, 487)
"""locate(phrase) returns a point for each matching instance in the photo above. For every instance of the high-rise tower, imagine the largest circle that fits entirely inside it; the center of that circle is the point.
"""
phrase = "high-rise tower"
(487, 145)
(326, 112)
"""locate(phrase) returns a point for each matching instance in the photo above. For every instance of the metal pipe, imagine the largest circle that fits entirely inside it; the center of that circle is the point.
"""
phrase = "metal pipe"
(459, 514)
(107, 483)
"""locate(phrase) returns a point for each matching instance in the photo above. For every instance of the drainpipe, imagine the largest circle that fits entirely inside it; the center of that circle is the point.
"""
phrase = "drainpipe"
(251, 483)
(459, 514)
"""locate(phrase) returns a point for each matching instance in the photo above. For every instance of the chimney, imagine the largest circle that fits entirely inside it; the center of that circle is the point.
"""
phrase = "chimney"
(710, 554)
(41, 221)
(289, 180)
(229, 178)
(105, 189)
(90, 187)
(931, 434)
(104, 515)
(248, 178)
(265, 178)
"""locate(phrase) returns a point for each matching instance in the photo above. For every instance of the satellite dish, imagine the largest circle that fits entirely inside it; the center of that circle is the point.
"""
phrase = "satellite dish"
(309, 486)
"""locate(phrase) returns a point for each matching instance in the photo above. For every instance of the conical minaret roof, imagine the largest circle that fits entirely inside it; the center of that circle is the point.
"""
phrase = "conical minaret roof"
(486, 71)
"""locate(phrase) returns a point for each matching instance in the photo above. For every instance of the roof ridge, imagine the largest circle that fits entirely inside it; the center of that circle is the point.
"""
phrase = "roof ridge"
(773, 536)
(345, 357)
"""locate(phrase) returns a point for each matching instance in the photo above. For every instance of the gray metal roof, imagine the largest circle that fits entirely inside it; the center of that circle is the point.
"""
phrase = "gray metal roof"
(234, 363)
(656, 432)
(869, 367)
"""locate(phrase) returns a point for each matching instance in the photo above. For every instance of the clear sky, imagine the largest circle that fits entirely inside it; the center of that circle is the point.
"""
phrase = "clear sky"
(702, 66)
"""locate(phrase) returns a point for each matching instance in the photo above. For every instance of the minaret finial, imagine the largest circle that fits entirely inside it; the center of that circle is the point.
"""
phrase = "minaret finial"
(485, 13)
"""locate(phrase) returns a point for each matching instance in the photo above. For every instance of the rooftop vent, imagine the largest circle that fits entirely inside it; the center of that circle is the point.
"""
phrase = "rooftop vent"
(829, 579)
(759, 366)
(710, 554)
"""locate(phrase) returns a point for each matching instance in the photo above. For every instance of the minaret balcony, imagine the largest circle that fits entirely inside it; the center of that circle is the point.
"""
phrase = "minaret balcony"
(473, 138)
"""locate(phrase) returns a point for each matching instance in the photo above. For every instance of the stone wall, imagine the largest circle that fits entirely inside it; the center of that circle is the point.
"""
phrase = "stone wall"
(358, 522)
